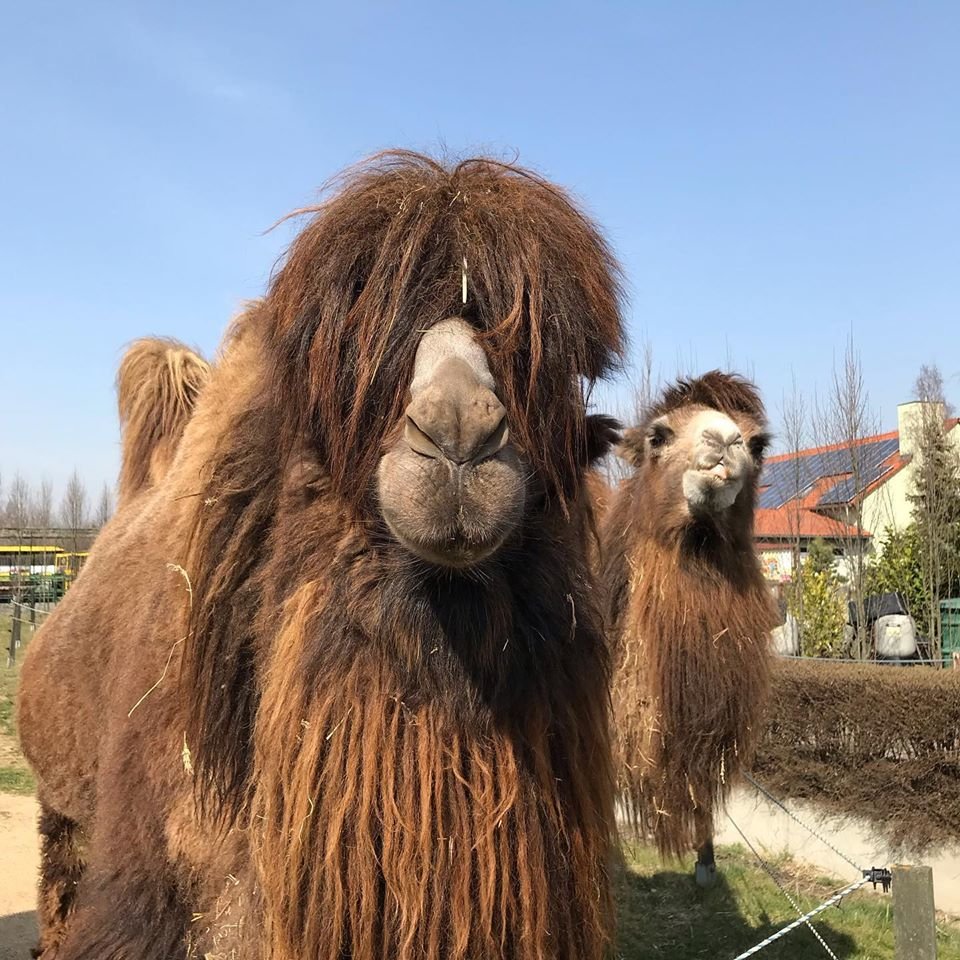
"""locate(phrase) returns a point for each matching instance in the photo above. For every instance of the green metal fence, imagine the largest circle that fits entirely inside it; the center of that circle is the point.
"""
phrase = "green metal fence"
(950, 629)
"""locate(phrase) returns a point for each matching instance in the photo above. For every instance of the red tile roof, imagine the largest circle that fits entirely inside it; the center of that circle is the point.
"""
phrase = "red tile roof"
(793, 519)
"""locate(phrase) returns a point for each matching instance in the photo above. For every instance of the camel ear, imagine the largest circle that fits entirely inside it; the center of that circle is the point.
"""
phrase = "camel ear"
(633, 446)
(303, 473)
(603, 434)
(641, 442)
(758, 446)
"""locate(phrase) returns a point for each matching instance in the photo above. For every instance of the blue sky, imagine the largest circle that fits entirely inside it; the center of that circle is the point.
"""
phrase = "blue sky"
(773, 176)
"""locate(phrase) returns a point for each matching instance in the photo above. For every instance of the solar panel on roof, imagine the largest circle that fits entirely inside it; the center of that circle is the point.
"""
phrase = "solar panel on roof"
(786, 480)
(870, 465)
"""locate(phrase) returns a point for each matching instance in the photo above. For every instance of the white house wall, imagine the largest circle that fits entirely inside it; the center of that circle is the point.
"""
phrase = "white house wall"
(888, 507)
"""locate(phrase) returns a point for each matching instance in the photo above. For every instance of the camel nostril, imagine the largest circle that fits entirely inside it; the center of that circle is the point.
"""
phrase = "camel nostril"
(495, 441)
(420, 441)
(457, 421)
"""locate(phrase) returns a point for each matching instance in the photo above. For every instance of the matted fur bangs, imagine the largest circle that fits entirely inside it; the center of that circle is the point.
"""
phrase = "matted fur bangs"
(727, 392)
(382, 260)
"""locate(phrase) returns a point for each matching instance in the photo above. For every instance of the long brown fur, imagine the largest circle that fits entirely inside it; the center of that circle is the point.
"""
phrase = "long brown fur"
(452, 832)
(333, 750)
(691, 616)
(157, 387)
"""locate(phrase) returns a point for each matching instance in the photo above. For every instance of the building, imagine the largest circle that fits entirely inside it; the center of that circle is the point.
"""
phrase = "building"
(38, 564)
(814, 494)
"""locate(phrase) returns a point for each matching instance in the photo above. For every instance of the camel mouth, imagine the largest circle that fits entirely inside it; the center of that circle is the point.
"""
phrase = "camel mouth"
(448, 516)
(708, 490)
(719, 480)
(455, 552)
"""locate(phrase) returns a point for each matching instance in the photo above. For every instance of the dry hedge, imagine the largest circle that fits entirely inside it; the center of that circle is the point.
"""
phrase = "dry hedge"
(882, 743)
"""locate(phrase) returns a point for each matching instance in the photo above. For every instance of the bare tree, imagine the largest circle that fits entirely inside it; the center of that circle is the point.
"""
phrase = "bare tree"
(646, 384)
(41, 514)
(844, 420)
(18, 504)
(794, 419)
(41, 519)
(18, 517)
(73, 508)
(104, 509)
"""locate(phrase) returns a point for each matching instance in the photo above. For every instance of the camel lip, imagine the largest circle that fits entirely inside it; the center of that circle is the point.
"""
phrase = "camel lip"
(454, 554)
(711, 494)
(717, 479)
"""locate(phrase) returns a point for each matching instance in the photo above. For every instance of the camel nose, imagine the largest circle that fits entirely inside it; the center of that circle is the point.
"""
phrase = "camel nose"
(455, 417)
(720, 471)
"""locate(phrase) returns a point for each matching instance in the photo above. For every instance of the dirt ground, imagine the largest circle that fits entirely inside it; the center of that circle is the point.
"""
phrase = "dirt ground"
(9, 751)
(19, 861)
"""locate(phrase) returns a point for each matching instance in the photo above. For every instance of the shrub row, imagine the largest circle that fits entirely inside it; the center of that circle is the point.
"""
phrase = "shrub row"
(881, 743)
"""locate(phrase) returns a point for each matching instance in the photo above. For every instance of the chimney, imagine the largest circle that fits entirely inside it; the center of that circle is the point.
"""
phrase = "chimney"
(911, 419)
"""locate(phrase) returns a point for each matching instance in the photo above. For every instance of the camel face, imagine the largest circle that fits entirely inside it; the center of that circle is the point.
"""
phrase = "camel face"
(707, 455)
(718, 462)
(452, 487)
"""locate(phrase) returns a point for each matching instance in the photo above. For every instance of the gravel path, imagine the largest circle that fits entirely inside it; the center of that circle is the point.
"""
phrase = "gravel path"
(19, 860)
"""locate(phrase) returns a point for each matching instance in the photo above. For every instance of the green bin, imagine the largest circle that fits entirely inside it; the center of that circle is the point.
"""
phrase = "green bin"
(950, 629)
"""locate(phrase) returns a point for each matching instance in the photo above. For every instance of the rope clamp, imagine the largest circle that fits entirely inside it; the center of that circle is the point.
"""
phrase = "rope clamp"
(879, 875)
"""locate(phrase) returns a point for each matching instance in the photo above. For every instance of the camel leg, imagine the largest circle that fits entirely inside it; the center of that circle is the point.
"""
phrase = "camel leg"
(705, 870)
(130, 904)
(61, 866)
(126, 918)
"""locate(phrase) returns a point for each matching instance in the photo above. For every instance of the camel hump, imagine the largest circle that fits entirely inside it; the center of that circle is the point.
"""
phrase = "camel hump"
(158, 383)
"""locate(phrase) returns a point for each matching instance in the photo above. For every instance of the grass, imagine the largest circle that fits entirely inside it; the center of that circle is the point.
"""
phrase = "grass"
(15, 775)
(16, 780)
(665, 916)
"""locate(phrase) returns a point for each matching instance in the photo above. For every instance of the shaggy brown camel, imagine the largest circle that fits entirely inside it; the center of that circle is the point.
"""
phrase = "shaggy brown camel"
(158, 383)
(343, 690)
(157, 388)
(689, 609)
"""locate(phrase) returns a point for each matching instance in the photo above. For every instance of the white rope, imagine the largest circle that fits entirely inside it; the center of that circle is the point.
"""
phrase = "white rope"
(836, 898)
(28, 608)
(785, 892)
(796, 819)
(886, 663)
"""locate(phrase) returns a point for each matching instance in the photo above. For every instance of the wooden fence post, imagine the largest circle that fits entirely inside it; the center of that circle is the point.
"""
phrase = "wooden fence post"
(914, 915)
(14, 634)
